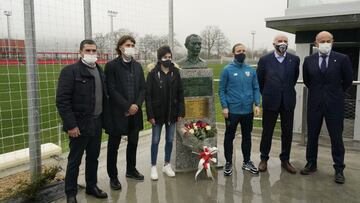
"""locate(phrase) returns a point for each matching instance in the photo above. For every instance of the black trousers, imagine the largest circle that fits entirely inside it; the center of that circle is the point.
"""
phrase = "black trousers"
(335, 126)
(131, 149)
(269, 122)
(246, 123)
(90, 144)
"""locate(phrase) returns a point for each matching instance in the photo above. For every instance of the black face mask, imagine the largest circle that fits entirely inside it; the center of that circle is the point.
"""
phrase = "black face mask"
(281, 48)
(166, 63)
(240, 57)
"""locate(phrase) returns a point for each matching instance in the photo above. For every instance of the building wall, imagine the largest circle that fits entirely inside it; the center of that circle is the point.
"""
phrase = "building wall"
(357, 111)
(302, 50)
(323, 9)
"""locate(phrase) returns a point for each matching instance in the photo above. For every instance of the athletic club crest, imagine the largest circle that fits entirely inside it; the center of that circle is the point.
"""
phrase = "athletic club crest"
(247, 73)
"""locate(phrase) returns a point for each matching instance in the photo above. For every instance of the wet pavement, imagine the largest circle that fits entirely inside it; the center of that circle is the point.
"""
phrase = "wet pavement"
(275, 185)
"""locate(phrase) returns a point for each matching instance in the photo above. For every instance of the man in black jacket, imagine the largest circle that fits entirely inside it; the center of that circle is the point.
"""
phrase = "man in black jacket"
(126, 87)
(277, 74)
(327, 74)
(81, 100)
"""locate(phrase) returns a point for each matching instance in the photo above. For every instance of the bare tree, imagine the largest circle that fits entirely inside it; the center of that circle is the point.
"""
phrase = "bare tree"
(222, 45)
(100, 41)
(213, 37)
(106, 43)
(116, 35)
(149, 44)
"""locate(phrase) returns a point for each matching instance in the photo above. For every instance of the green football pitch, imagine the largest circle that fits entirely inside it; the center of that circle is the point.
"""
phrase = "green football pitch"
(13, 106)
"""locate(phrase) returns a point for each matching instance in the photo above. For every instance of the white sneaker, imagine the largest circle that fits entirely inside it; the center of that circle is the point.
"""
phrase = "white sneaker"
(168, 170)
(154, 173)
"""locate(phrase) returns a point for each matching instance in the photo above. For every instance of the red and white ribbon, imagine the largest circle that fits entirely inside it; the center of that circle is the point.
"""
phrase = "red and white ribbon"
(206, 157)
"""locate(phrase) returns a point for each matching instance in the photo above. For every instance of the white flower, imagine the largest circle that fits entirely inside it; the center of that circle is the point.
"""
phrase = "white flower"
(191, 131)
(208, 127)
(184, 130)
(195, 127)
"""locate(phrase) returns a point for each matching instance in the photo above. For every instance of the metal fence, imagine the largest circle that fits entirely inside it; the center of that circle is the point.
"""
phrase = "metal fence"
(349, 116)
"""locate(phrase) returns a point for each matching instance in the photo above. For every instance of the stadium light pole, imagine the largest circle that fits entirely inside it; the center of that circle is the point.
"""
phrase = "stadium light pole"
(87, 19)
(171, 24)
(253, 43)
(33, 101)
(8, 14)
(112, 14)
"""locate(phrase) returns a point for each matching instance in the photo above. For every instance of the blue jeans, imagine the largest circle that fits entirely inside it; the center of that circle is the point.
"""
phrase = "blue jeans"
(169, 136)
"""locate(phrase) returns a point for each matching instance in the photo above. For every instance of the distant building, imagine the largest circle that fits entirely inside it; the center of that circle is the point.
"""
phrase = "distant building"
(305, 18)
(11, 50)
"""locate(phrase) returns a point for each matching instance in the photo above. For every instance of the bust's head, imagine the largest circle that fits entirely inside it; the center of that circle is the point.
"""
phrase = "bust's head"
(193, 44)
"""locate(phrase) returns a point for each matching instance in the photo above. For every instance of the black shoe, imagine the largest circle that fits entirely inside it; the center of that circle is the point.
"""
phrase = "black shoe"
(71, 199)
(96, 192)
(339, 177)
(228, 169)
(249, 166)
(115, 183)
(135, 175)
(308, 169)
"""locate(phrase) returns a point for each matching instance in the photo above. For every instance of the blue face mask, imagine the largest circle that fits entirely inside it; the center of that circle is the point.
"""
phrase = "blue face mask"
(240, 58)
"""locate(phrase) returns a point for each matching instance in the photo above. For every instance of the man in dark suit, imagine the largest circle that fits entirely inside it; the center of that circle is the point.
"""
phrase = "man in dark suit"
(277, 74)
(81, 99)
(126, 87)
(327, 75)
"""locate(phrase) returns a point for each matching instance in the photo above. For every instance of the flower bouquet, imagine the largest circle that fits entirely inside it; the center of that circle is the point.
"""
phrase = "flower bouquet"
(196, 134)
(200, 137)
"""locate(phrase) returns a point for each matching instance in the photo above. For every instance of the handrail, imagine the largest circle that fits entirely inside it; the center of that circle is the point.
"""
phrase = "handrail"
(355, 82)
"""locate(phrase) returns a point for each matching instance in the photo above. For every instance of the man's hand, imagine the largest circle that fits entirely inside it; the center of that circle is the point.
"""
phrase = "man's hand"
(152, 121)
(225, 113)
(257, 111)
(133, 109)
(75, 132)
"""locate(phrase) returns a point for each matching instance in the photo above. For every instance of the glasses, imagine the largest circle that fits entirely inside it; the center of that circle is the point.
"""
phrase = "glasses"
(90, 50)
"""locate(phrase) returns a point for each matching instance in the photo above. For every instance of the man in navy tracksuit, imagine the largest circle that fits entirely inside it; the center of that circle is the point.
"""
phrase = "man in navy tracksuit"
(238, 91)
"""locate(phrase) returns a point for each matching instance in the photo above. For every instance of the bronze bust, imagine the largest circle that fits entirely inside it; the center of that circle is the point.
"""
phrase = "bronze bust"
(192, 60)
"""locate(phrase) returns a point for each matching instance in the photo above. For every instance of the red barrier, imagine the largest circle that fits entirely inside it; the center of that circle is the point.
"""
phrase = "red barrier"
(47, 61)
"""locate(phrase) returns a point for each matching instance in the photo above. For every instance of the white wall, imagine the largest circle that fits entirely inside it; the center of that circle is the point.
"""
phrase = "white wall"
(324, 10)
(302, 50)
(357, 110)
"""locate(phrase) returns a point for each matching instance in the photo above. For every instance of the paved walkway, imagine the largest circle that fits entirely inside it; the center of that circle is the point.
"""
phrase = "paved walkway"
(276, 185)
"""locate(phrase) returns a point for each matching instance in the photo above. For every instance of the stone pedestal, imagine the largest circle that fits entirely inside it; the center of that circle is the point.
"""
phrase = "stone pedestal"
(199, 105)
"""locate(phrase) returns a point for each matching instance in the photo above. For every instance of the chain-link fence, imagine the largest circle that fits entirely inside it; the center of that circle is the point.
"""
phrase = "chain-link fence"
(38, 38)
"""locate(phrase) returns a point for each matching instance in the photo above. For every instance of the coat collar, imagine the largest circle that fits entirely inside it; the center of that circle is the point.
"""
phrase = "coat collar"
(84, 69)
(157, 71)
(331, 61)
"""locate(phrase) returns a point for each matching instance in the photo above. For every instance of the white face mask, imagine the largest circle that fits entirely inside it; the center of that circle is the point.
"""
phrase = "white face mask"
(90, 58)
(129, 51)
(324, 48)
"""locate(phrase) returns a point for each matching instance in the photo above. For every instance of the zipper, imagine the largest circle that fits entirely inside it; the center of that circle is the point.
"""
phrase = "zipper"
(170, 89)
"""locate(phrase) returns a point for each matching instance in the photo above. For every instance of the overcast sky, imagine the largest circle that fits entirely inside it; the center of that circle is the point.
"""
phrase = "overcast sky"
(61, 21)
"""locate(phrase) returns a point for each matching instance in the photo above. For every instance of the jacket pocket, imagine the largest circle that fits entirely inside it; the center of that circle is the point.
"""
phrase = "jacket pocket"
(85, 123)
(82, 86)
